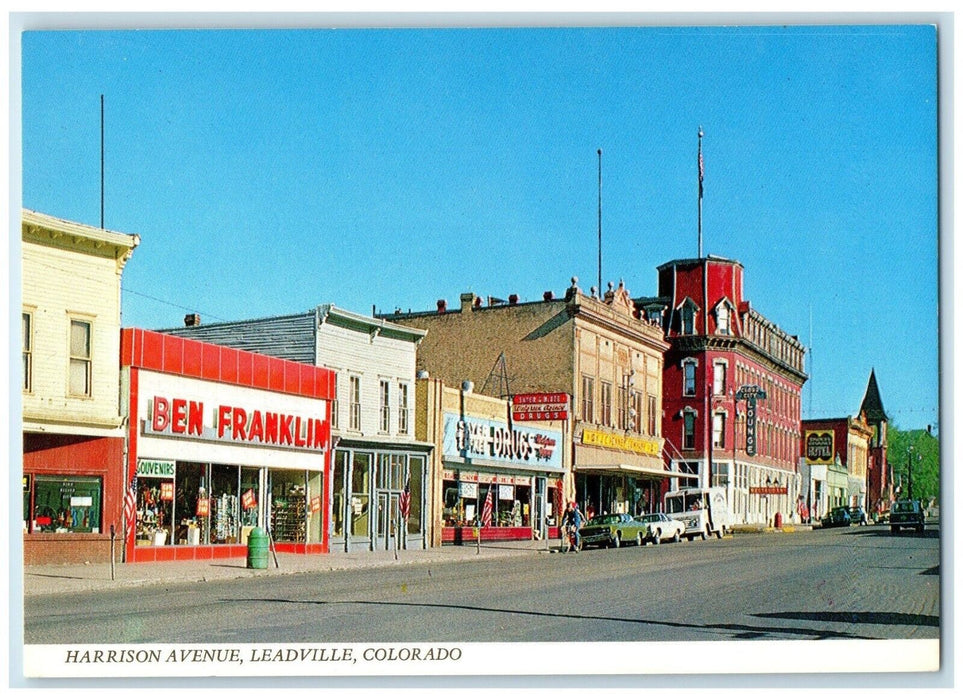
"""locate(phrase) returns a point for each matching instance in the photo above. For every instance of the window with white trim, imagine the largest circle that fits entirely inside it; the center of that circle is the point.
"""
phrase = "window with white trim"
(588, 398)
(26, 333)
(606, 403)
(722, 319)
(689, 377)
(719, 378)
(403, 410)
(354, 402)
(688, 320)
(385, 409)
(334, 402)
(79, 374)
(719, 430)
(653, 418)
(688, 429)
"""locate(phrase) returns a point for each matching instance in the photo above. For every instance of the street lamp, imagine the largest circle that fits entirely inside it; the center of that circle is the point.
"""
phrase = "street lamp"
(909, 467)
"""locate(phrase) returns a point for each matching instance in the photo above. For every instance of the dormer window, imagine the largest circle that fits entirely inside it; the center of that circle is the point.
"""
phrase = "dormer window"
(687, 316)
(722, 320)
(688, 320)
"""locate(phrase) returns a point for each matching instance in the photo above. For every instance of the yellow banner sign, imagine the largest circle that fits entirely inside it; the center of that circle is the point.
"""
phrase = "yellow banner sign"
(626, 443)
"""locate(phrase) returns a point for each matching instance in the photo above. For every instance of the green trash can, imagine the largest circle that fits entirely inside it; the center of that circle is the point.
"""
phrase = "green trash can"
(257, 549)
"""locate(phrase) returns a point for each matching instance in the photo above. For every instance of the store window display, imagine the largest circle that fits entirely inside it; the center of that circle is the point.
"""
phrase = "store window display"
(155, 510)
(289, 506)
(224, 505)
(62, 504)
(511, 503)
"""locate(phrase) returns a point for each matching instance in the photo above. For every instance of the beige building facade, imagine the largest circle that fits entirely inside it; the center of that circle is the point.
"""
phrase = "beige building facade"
(70, 382)
(596, 350)
(481, 454)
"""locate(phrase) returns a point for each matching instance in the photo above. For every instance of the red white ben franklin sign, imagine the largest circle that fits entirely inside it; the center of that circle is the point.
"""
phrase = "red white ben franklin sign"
(542, 406)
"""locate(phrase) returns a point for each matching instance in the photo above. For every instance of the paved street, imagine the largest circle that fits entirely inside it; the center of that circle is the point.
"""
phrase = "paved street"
(850, 583)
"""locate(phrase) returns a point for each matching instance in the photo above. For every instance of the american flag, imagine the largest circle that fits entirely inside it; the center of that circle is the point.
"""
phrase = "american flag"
(404, 501)
(130, 504)
(486, 518)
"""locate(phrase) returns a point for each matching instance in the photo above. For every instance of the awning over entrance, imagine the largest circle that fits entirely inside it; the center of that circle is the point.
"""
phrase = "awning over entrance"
(628, 469)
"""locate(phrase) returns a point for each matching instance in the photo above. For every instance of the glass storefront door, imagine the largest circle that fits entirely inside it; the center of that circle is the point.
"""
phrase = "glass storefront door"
(386, 521)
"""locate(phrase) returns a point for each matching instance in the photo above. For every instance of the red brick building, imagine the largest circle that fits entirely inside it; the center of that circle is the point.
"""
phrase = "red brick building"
(879, 487)
(720, 349)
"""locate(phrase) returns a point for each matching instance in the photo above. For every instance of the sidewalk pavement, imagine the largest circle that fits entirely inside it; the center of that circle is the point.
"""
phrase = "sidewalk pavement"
(45, 579)
(48, 579)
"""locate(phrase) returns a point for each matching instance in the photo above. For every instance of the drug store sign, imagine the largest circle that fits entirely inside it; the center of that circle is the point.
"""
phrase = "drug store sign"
(477, 438)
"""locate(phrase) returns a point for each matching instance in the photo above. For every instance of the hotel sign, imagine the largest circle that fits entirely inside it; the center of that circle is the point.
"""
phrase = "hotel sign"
(820, 446)
(540, 407)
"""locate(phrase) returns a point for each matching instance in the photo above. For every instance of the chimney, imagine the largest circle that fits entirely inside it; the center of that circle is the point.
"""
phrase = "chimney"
(467, 301)
(442, 306)
(548, 296)
(192, 320)
(512, 299)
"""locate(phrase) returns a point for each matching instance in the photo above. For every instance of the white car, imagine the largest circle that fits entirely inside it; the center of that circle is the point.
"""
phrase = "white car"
(659, 526)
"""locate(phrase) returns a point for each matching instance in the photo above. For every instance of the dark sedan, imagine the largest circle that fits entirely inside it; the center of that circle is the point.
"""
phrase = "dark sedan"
(837, 517)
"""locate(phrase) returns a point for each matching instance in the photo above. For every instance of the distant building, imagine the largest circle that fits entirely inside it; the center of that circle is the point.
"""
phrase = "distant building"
(723, 355)
(837, 441)
(73, 436)
(376, 453)
(879, 482)
(595, 350)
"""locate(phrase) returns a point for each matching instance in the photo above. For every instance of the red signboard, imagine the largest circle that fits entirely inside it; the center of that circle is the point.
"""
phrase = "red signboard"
(769, 490)
(541, 406)
(167, 491)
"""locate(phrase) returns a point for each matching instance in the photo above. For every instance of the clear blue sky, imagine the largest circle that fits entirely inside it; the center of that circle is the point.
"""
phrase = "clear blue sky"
(269, 171)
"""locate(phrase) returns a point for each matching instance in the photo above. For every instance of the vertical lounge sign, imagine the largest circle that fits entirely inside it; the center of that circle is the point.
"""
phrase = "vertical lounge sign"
(750, 393)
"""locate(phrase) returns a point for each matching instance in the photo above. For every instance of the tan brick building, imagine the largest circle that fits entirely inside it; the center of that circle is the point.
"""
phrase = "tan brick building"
(596, 350)
(478, 450)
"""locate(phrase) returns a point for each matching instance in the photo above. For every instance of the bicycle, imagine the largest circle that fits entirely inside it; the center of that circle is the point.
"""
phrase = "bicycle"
(572, 542)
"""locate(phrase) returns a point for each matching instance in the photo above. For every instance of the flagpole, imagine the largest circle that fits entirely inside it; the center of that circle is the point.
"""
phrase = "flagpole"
(101, 161)
(701, 175)
(600, 221)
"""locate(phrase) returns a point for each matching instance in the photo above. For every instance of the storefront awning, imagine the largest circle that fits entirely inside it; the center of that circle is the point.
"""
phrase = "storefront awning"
(628, 469)
(459, 463)
(381, 443)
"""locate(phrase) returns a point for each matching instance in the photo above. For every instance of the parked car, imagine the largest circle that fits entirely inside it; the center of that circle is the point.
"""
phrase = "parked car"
(837, 517)
(659, 526)
(611, 530)
(906, 514)
(857, 516)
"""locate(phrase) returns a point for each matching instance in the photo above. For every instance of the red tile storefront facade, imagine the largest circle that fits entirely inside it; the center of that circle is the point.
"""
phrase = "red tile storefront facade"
(163, 455)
